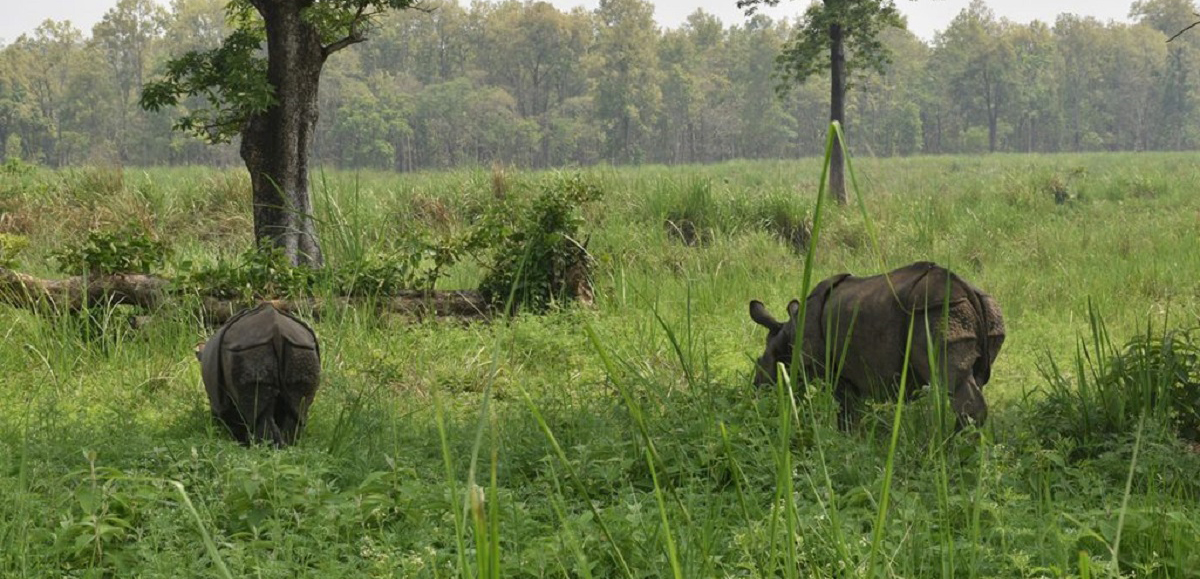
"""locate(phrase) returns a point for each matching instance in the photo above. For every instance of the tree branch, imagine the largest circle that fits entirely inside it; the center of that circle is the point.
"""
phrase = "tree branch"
(354, 36)
(1191, 26)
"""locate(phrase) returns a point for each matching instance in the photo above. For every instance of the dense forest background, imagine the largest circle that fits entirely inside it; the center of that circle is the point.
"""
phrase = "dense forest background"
(526, 84)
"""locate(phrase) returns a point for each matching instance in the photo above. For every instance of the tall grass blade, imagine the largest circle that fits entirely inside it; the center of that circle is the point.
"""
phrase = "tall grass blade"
(578, 482)
(209, 546)
(881, 516)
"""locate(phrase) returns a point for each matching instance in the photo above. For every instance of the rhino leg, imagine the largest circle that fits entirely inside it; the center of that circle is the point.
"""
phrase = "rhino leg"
(251, 380)
(300, 381)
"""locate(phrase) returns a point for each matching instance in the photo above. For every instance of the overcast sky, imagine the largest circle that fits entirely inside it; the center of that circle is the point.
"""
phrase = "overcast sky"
(924, 16)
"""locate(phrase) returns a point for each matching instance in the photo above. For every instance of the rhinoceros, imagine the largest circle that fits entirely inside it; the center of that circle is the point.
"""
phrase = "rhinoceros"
(261, 371)
(866, 320)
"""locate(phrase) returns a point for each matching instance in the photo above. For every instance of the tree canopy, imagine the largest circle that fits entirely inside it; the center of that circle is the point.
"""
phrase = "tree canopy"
(519, 83)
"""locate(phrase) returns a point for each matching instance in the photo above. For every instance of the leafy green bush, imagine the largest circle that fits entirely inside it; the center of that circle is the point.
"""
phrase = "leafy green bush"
(256, 273)
(127, 250)
(15, 167)
(267, 273)
(10, 246)
(538, 255)
(1155, 375)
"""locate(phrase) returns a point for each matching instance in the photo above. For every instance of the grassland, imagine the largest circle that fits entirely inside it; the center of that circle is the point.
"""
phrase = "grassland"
(623, 440)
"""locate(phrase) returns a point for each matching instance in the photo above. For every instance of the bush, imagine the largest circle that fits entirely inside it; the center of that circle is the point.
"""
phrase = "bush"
(538, 256)
(268, 273)
(10, 246)
(258, 273)
(787, 220)
(127, 250)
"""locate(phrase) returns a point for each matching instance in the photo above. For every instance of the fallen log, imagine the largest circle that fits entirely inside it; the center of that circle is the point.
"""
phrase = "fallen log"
(151, 293)
(23, 290)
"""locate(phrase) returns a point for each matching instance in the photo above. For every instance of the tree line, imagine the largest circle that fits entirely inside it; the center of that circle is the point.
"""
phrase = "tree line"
(527, 84)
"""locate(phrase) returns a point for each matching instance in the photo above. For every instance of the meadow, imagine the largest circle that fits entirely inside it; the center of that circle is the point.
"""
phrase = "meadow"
(622, 439)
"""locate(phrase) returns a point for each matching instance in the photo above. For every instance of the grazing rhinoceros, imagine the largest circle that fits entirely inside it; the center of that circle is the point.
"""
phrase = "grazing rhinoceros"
(873, 314)
(261, 371)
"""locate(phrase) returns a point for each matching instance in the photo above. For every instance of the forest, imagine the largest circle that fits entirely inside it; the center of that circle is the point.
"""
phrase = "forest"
(525, 84)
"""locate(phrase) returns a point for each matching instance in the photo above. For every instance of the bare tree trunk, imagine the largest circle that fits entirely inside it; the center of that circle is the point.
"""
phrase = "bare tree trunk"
(276, 142)
(837, 110)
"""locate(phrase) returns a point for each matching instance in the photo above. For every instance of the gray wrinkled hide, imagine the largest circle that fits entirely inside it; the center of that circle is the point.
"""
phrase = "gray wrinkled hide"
(261, 371)
(869, 317)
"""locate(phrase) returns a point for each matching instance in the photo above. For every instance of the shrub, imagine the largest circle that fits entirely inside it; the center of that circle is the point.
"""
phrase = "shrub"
(127, 250)
(10, 246)
(268, 273)
(538, 255)
(787, 221)
(258, 273)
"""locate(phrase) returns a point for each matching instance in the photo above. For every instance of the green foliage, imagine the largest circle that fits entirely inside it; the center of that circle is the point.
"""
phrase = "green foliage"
(15, 167)
(1155, 375)
(538, 254)
(787, 221)
(267, 273)
(10, 246)
(807, 53)
(127, 250)
(257, 273)
(744, 492)
(695, 215)
(233, 79)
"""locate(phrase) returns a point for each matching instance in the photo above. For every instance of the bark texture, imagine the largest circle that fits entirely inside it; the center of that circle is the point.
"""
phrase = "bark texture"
(276, 142)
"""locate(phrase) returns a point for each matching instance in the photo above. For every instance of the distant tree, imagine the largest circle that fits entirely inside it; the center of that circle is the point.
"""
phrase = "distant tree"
(830, 30)
(46, 68)
(626, 72)
(974, 59)
(272, 102)
(124, 36)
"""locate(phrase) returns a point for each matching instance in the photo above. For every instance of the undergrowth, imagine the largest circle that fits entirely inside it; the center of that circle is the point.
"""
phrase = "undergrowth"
(623, 440)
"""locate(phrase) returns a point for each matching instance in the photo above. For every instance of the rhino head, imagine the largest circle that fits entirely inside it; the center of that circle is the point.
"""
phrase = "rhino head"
(781, 339)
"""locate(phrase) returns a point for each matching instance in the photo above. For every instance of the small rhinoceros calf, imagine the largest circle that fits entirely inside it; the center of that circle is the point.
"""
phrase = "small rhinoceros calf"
(261, 371)
(861, 325)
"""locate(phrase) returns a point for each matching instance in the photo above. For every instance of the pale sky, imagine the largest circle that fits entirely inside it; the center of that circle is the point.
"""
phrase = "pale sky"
(924, 16)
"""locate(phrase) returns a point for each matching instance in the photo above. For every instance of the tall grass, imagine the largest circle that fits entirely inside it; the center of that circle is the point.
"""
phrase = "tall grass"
(626, 441)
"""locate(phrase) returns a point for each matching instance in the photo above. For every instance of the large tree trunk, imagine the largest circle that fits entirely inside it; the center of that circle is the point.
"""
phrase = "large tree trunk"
(277, 141)
(837, 110)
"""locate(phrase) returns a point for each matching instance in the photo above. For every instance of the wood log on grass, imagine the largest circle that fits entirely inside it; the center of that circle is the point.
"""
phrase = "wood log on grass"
(150, 293)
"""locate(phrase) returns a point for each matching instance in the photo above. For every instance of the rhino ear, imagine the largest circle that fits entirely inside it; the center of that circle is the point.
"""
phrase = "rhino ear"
(793, 309)
(758, 313)
(199, 350)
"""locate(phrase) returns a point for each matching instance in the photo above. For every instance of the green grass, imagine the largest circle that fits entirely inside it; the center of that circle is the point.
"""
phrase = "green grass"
(626, 440)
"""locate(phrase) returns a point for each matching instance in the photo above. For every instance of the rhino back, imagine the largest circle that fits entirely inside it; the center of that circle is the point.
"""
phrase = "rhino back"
(863, 310)
(261, 325)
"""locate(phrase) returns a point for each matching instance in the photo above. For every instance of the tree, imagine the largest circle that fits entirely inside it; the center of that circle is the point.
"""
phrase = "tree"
(975, 60)
(829, 30)
(625, 69)
(124, 36)
(271, 103)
